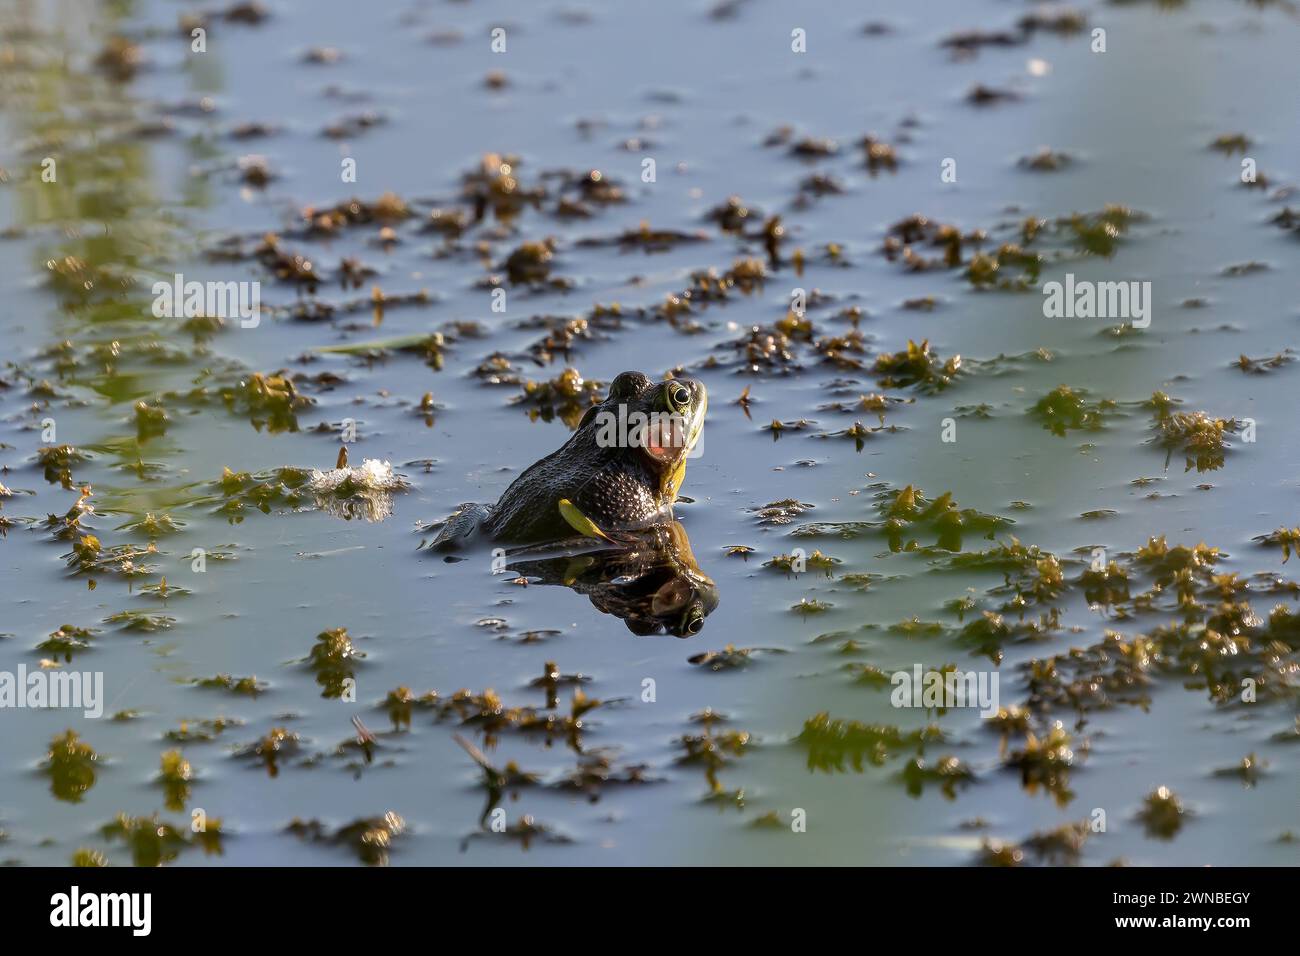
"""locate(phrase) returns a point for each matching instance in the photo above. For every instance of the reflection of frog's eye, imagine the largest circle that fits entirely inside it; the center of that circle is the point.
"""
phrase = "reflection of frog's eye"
(679, 396)
(693, 620)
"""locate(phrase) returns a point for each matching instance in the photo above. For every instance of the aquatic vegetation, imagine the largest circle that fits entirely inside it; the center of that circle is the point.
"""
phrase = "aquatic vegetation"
(1113, 671)
(986, 271)
(1108, 585)
(141, 621)
(57, 460)
(279, 488)
(832, 743)
(806, 606)
(201, 731)
(714, 750)
(279, 744)
(1066, 409)
(729, 658)
(271, 401)
(1231, 143)
(431, 346)
(981, 95)
(1046, 160)
(917, 365)
(333, 658)
(162, 590)
(530, 264)
(567, 397)
(525, 831)
(1260, 366)
(1166, 562)
(1288, 539)
(151, 841)
(1059, 847)
(150, 421)
(401, 702)
(494, 187)
(999, 854)
(71, 765)
(1162, 813)
(1045, 762)
(1099, 233)
(1248, 770)
(68, 640)
(244, 686)
(781, 512)
(1202, 440)
(175, 776)
(733, 215)
(370, 838)
(796, 564)
(947, 773)
(496, 781)
(910, 511)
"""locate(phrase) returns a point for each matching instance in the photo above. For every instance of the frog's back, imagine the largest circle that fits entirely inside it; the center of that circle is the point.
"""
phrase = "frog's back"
(607, 485)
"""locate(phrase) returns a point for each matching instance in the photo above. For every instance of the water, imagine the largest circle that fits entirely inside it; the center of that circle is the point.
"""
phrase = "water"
(701, 95)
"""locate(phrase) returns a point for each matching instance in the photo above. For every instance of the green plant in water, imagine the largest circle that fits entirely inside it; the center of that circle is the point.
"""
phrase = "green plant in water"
(70, 764)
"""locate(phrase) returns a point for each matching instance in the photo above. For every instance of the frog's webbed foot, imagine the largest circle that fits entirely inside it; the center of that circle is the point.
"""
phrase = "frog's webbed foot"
(461, 527)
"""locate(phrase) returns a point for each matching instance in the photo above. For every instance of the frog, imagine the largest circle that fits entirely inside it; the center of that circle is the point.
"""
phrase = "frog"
(620, 471)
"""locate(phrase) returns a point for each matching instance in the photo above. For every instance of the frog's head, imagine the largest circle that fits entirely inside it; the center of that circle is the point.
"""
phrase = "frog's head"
(661, 421)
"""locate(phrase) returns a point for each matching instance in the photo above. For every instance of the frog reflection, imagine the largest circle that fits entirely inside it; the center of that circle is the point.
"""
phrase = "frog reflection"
(648, 578)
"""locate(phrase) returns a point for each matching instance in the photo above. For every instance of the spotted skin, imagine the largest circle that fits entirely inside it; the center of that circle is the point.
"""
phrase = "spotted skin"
(614, 488)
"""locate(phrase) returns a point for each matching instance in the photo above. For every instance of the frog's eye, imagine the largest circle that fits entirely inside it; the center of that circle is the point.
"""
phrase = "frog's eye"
(693, 620)
(679, 396)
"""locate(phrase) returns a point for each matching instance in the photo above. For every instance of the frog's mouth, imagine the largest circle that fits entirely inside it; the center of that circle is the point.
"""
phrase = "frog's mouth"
(670, 437)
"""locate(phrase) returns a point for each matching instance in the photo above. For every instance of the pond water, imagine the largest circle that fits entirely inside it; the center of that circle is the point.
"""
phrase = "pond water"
(1124, 663)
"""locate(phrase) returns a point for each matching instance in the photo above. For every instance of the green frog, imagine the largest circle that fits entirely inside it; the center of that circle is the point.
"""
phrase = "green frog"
(619, 471)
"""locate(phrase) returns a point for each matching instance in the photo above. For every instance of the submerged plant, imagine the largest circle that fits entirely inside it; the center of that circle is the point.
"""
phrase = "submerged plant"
(832, 743)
